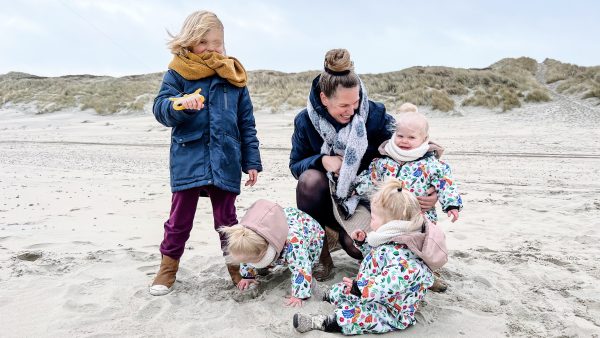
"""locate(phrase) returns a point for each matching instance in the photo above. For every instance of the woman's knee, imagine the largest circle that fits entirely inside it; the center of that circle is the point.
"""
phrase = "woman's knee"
(312, 182)
(312, 192)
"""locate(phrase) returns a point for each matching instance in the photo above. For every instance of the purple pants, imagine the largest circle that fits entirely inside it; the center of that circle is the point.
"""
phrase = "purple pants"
(181, 219)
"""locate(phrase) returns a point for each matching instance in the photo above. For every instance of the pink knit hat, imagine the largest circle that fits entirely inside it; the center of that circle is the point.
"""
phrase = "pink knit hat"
(267, 219)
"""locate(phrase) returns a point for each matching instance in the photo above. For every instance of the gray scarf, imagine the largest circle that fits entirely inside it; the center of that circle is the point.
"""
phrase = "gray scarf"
(350, 143)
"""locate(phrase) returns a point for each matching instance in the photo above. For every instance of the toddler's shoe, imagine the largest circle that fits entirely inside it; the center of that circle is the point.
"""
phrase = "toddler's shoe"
(304, 323)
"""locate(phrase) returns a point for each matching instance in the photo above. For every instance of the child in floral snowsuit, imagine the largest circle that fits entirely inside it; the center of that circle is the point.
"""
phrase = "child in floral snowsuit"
(411, 158)
(392, 279)
(269, 235)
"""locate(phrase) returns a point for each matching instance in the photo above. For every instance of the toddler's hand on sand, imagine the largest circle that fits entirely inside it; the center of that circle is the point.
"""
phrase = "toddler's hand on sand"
(454, 214)
(358, 235)
(428, 202)
(293, 302)
(252, 177)
(246, 284)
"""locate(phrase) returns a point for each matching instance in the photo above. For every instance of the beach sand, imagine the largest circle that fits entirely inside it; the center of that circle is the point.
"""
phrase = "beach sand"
(84, 198)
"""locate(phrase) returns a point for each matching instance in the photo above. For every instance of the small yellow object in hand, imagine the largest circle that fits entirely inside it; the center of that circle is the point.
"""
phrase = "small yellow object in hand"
(177, 104)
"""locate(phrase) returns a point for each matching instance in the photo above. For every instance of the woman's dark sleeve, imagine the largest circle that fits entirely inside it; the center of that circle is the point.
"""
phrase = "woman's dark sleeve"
(303, 156)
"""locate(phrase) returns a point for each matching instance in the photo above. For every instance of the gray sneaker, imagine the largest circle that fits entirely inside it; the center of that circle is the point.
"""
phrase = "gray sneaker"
(304, 323)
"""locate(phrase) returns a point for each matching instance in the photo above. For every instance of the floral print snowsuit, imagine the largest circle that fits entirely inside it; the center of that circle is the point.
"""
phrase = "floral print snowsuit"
(300, 252)
(392, 280)
(417, 175)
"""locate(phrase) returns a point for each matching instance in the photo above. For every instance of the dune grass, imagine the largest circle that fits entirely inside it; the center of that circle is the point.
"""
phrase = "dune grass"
(103, 94)
(573, 79)
(504, 85)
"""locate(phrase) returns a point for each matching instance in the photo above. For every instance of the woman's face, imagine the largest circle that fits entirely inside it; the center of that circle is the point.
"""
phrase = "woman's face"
(342, 103)
(211, 42)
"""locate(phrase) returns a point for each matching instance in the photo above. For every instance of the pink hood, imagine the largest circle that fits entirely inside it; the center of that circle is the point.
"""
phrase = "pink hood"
(269, 221)
(430, 245)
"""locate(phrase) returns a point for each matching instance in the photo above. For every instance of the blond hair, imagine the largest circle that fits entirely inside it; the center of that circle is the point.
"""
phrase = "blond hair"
(243, 244)
(408, 107)
(337, 60)
(415, 119)
(397, 203)
(195, 27)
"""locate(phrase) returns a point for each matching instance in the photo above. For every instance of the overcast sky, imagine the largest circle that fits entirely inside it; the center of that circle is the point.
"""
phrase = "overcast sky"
(121, 37)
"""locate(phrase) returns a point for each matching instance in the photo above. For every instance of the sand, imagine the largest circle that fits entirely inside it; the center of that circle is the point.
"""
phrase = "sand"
(84, 197)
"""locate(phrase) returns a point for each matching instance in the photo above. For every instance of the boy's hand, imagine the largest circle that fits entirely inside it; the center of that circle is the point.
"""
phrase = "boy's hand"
(193, 102)
(293, 302)
(428, 202)
(246, 284)
(454, 214)
(252, 177)
(358, 235)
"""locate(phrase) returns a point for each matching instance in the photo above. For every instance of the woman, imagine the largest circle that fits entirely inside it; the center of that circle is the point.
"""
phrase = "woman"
(335, 137)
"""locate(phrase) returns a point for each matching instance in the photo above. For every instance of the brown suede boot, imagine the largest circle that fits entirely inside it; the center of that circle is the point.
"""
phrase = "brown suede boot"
(439, 285)
(333, 239)
(324, 269)
(165, 278)
(234, 272)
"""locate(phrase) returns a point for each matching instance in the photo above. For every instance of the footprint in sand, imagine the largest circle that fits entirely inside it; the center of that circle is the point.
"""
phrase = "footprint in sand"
(555, 261)
(30, 256)
(41, 245)
(82, 242)
(459, 236)
(460, 254)
(148, 269)
(74, 306)
(152, 309)
(483, 281)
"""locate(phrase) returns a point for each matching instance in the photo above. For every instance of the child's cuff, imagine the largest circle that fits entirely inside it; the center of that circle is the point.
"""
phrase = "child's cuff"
(355, 290)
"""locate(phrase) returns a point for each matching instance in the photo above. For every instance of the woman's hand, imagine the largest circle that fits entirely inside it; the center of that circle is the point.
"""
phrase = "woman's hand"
(293, 302)
(358, 235)
(246, 284)
(252, 177)
(332, 163)
(428, 202)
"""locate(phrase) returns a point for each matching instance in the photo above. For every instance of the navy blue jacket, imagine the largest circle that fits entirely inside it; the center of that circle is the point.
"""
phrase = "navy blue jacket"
(211, 146)
(306, 141)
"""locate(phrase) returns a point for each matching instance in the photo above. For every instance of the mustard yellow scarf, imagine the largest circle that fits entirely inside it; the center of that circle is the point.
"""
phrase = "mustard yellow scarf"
(199, 66)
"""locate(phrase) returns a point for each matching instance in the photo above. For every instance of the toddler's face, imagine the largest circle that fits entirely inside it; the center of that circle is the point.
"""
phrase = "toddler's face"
(376, 217)
(211, 42)
(409, 136)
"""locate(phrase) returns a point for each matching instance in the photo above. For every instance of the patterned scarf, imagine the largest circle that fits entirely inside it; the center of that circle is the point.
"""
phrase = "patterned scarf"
(350, 142)
(199, 66)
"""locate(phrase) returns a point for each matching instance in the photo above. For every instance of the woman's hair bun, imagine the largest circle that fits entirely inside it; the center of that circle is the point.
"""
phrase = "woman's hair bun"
(338, 60)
